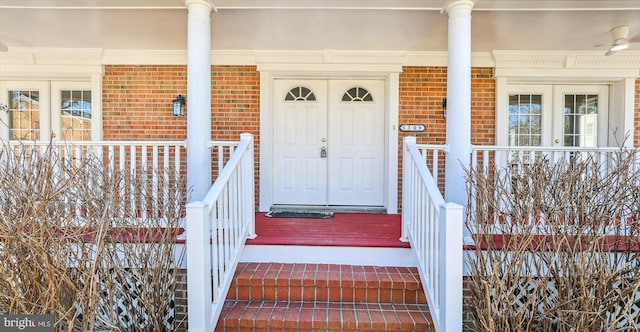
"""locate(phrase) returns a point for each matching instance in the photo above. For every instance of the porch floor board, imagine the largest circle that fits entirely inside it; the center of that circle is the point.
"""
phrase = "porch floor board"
(344, 229)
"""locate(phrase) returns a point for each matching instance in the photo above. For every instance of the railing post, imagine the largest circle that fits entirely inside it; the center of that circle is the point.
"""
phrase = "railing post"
(406, 187)
(198, 268)
(450, 265)
(248, 181)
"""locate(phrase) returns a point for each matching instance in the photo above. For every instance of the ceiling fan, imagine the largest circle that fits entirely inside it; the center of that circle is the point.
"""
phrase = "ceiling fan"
(620, 40)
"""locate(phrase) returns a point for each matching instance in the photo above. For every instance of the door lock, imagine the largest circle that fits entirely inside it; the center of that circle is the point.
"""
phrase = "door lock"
(323, 152)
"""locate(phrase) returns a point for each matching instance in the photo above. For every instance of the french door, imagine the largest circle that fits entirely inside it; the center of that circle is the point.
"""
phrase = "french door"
(43, 110)
(558, 115)
(329, 142)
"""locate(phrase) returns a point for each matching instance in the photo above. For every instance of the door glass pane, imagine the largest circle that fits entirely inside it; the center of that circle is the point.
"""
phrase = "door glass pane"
(525, 119)
(580, 120)
(75, 115)
(24, 115)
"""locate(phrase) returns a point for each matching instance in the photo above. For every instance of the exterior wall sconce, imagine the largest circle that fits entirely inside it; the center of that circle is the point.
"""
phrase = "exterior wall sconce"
(444, 107)
(179, 105)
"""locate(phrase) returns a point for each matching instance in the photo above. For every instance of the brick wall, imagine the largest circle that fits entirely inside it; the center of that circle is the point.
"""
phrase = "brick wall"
(421, 92)
(180, 300)
(483, 106)
(136, 102)
(637, 115)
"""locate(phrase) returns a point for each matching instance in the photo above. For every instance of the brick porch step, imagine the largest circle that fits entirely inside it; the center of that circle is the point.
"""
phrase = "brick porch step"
(321, 297)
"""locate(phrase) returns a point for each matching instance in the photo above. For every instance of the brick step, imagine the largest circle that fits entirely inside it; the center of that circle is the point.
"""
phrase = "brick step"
(322, 282)
(321, 297)
(322, 316)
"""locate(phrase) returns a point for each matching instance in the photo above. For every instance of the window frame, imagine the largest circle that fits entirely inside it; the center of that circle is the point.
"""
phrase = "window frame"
(552, 109)
(50, 105)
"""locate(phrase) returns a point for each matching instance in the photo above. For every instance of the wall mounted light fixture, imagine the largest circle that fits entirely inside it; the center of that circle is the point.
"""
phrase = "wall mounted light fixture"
(179, 105)
(444, 107)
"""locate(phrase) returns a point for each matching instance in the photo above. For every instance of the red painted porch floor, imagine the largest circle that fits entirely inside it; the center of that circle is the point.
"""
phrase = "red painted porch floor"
(344, 229)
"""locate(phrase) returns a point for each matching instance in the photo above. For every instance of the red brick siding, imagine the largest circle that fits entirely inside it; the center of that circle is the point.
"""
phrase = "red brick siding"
(180, 299)
(421, 92)
(235, 102)
(136, 102)
(235, 107)
(636, 120)
(483, 106)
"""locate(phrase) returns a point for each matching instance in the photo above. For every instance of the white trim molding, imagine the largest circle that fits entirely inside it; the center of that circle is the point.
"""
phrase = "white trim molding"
(507, 61)
(501, 59)
(619, 72)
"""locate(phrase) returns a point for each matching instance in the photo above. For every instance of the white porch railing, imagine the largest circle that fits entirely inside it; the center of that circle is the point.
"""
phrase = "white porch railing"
(152, 164)
(489, 158)
(489, 155)
(217, 228)
(434, 230)
(435, 158)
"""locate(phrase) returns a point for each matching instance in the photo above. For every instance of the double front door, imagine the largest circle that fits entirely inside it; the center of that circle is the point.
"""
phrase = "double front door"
(329, 142)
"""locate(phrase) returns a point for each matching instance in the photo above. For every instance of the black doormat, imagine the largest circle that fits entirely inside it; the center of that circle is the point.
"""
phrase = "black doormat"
(295, 214)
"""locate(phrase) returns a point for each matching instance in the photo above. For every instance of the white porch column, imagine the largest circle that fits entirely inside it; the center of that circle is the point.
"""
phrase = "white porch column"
(458, 99)
(198, 97)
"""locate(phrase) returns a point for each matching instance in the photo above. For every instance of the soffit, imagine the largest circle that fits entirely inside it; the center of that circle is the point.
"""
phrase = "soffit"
(380, 25)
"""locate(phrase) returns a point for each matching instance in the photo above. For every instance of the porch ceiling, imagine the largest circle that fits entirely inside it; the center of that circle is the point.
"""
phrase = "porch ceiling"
(410, 25)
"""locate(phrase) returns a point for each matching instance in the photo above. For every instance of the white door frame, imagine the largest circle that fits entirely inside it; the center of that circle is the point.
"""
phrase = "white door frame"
(391, 76)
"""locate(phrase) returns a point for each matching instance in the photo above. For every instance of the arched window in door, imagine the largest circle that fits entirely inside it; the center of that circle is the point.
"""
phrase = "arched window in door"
(357, 94)
(300, 93)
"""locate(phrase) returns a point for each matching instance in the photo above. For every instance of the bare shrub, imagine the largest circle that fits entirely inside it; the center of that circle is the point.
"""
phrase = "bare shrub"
(556, 248)
(72, 244)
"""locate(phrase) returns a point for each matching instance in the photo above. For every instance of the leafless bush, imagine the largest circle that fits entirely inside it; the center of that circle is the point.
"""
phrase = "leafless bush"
(72, 244)
(556, 245)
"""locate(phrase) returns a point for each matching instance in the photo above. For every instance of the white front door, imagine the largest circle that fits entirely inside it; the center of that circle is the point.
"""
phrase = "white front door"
(329, 142)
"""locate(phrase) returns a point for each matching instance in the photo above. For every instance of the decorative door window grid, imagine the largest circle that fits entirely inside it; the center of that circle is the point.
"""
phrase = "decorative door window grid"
(525, 120)
(580, 120)
(76, 114)
(355, 94)
(24, 120)
(24, 115)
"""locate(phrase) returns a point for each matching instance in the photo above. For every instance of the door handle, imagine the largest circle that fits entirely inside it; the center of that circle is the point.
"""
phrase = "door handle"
(323, 152)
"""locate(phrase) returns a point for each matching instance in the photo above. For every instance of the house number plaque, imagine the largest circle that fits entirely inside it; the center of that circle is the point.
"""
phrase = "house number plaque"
(412, 127)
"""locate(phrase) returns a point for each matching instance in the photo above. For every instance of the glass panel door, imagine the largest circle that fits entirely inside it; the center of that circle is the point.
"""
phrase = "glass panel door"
(581, 116)
(27, 116)
(75, 115)
(525, 119)
(72, 110)
(529, 117)
(24, 115)
(47, 110)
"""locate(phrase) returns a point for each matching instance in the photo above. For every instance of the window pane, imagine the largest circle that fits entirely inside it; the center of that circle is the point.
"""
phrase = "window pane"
(300, 93)
(357, 94)
(24, 115)
(525, 119)
(75, 114)
(580, 120)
